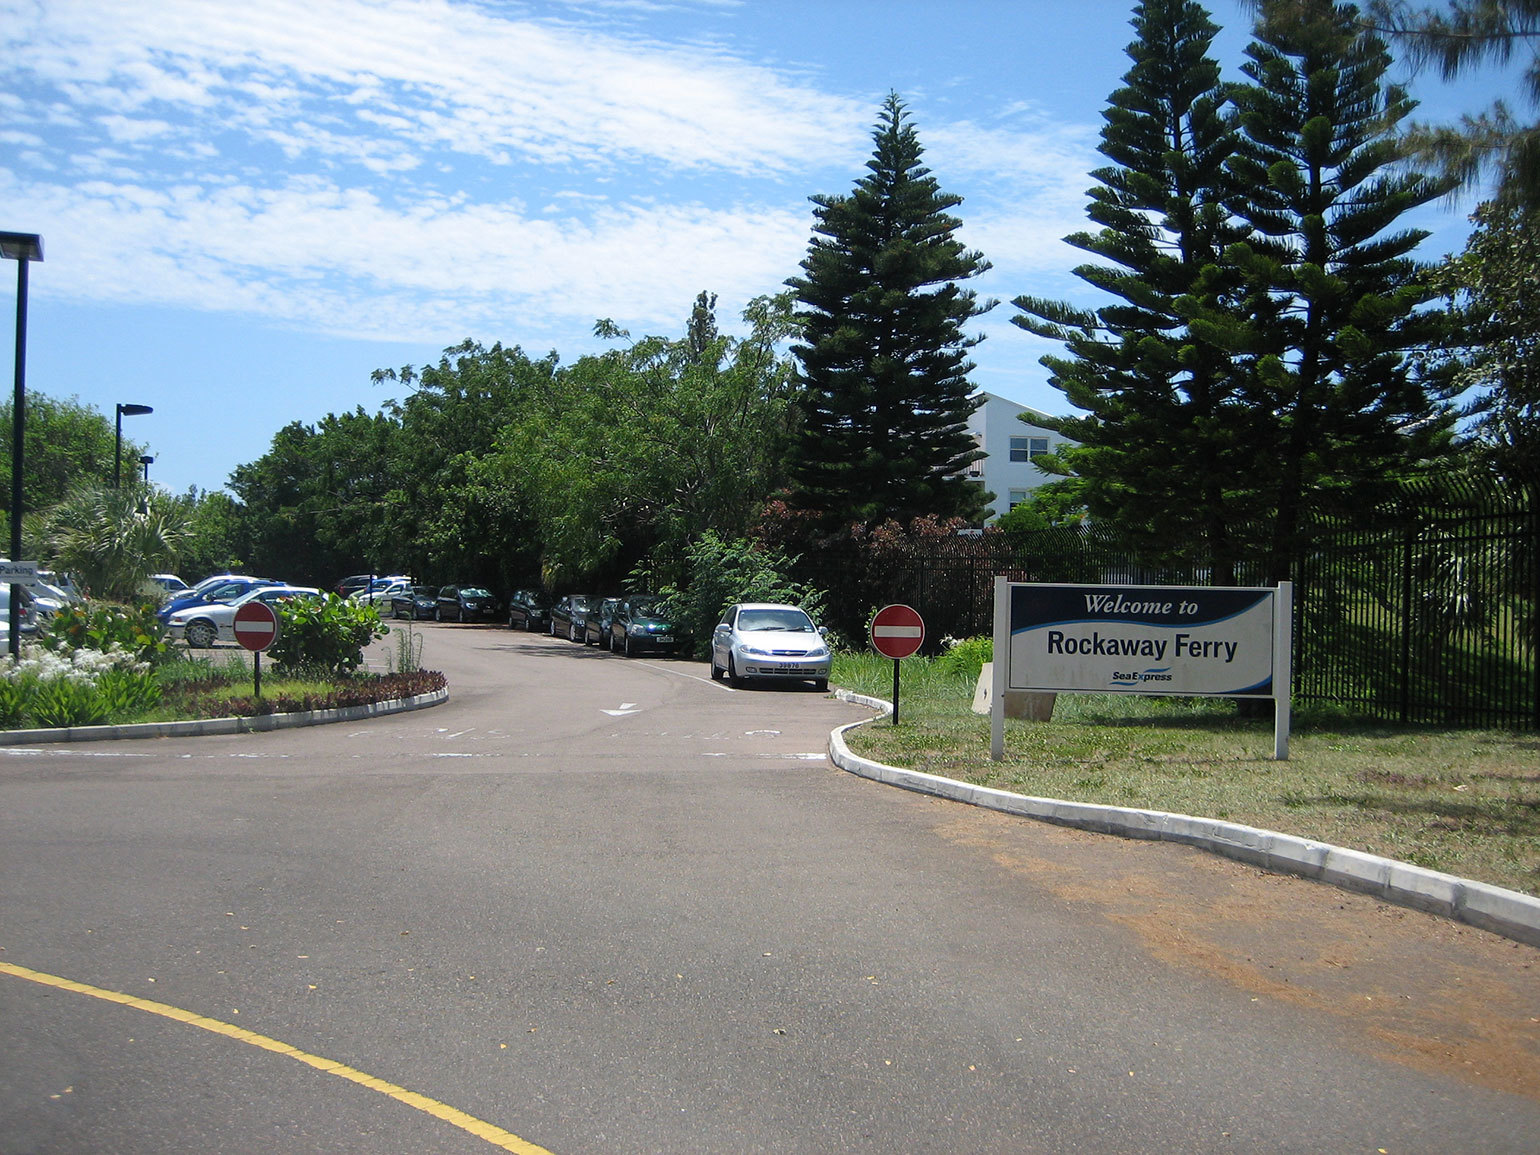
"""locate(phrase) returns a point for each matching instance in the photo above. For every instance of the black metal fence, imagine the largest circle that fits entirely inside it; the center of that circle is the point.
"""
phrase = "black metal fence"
(1424, 612)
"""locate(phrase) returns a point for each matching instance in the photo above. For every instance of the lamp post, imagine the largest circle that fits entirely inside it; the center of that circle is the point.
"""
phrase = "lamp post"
(147, 462)
(21, 248)
(117, 449)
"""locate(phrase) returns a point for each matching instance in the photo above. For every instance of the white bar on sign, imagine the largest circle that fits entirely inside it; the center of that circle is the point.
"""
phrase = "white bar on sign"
(897, 632)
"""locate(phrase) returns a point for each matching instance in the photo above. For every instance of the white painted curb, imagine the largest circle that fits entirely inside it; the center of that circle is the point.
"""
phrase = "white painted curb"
(253, 724)
(1493, 908)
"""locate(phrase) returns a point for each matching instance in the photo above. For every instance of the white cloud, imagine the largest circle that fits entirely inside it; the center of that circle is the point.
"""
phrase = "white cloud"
(432, 75)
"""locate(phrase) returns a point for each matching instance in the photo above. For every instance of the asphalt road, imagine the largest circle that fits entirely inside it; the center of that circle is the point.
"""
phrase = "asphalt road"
(601, 905)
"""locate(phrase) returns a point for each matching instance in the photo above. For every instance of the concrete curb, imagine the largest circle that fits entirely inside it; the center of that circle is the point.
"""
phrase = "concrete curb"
(255, 724)
(1492, 908)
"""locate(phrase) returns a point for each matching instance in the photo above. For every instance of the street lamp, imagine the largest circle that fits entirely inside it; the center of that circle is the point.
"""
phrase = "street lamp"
(21, 248)
(117, 449)
(147, 462)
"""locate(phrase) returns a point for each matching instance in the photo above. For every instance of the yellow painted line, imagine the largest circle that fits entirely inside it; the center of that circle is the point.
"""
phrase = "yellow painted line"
(496, 1136)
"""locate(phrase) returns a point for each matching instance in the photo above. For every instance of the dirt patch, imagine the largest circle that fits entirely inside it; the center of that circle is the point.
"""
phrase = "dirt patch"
(1401, 984)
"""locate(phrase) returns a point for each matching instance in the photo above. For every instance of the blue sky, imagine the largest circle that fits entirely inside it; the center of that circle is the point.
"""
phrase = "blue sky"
(249, 206)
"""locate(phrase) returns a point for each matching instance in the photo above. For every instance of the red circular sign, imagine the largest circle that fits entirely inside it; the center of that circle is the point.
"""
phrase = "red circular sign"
(256, 625)
(897, 631)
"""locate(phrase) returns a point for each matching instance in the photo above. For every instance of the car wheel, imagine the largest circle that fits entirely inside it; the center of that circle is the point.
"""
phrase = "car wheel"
(733, 679)
(821, 685)
(200, 634)
(716, 670)
(629, 651)
(438, 614)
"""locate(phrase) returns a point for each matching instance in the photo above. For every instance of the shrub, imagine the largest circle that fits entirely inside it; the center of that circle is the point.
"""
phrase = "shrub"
(75, 687)
(720, 572)
(965, 656)
(103, 626)
(62, 702)
(326, 634)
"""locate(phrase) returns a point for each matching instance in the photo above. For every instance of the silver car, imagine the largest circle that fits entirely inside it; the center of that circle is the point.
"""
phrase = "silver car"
(761, 640)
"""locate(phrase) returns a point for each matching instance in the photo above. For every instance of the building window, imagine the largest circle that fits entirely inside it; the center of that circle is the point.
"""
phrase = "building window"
(1028, 448)
(1017, 497)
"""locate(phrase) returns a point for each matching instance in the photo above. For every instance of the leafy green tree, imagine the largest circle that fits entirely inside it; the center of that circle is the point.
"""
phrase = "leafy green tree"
(453, 512)
(213, 528)
(112, 539)
(1164, 448)
(648, 446)
(67, 443)
(1495, 285)
(884, 393)
(1337, 357)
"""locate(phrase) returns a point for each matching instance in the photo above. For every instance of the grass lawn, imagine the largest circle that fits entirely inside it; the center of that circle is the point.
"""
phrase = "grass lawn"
(1466, 802)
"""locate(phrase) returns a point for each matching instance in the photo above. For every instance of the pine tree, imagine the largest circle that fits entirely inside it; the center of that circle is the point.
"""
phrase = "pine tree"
(883, 368)
(1163, 451)
(1336, 372)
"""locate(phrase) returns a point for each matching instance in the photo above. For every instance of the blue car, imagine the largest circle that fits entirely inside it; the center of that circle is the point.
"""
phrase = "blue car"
(221, 589)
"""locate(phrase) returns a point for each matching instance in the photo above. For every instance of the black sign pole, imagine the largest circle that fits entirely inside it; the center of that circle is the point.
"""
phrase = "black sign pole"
(895, 691)
(256, 673)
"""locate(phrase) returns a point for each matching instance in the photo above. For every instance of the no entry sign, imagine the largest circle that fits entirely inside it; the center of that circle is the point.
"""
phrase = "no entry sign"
(897, 631)
(256, 626)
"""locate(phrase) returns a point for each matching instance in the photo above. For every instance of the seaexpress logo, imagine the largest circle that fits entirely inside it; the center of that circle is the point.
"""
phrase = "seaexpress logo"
(1163, 674)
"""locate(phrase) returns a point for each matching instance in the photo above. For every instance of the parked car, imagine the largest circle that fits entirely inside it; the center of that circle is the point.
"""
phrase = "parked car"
(464, 604)
(350, 585)
(168, 583)
(414, 602)
(219, 589)
(28, 621)
(47, 599)
(379, 592)
(204, 626)
(529, 610)
(764, 640)
(569, 615)
(596, 624)
(642, 624)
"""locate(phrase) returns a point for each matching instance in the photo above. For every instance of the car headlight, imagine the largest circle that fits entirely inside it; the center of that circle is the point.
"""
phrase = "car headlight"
(820, 652)
(755, 652)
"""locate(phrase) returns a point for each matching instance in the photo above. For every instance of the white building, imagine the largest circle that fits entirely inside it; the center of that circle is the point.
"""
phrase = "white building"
(1011, 444)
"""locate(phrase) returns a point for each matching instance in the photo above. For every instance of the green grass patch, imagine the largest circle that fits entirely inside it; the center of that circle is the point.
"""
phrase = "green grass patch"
(1466, 802)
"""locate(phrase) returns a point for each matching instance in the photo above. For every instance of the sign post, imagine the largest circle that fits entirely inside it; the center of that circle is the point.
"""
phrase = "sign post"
(256, 628)
(898, 631)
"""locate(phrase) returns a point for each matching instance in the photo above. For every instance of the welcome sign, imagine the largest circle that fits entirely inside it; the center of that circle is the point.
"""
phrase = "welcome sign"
(1222, 641)
(1147, 639)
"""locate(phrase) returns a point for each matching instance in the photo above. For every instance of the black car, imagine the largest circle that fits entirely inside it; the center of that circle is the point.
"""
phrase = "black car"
(529, 610)
(464, 604)
(414, 603)
(642, 624)
(569, 616)
(596, 626)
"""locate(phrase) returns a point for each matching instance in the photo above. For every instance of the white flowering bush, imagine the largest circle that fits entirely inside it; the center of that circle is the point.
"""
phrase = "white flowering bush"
(83, 687)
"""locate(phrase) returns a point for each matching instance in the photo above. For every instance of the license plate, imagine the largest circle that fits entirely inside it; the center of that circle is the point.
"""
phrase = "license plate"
(663, 638)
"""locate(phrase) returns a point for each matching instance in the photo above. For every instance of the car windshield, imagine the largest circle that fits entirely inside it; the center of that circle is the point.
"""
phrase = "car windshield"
(424, 591)
(474, 592)
(583, 601)
(793, 620)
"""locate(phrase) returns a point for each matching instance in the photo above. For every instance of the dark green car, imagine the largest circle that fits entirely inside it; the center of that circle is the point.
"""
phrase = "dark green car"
(642, 625)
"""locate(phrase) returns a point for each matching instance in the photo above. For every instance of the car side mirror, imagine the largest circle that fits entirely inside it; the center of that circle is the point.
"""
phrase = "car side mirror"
(823, 631)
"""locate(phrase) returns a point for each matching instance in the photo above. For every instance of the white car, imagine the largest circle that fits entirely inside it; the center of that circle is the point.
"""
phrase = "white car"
(381, 590)
(204, 626)
(763, 640)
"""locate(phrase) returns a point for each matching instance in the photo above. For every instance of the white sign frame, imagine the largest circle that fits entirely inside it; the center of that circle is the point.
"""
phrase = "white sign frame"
(1193, 641)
